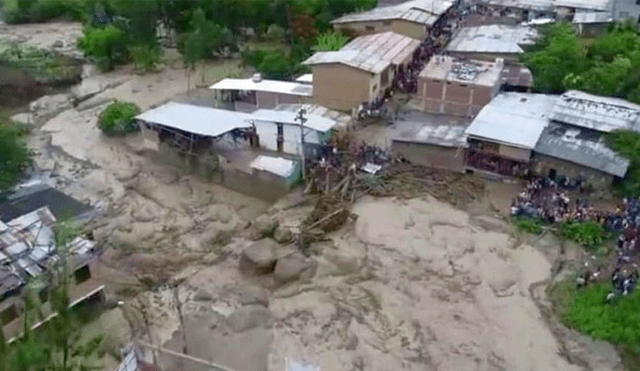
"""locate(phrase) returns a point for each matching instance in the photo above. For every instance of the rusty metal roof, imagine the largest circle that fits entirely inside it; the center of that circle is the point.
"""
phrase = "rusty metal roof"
(371, 53)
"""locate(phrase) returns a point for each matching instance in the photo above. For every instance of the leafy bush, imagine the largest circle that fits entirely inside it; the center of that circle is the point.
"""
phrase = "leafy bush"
(145, 58)
(618, 322)
(275, 66)
(21, 11)
(626, 143)
(529, 225)
(106, 46)
(252, 58)
(275, 33)
(330, 41)
(14, 157)
(590, 234)
(119, 118)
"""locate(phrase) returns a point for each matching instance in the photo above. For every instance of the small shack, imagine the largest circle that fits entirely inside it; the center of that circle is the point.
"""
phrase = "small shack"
(247, 95)
(440, 147)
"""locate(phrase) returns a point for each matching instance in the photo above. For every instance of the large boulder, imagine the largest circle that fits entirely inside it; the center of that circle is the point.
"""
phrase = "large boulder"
(249, 317)
(263, 226)
(290, 268)
(259, 257)
(253, 295)
(282, 235)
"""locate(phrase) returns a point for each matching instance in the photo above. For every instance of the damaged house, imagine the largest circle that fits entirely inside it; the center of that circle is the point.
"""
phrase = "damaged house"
(28, 255)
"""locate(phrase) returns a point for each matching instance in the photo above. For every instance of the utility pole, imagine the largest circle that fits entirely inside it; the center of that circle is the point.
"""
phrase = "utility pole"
(302, 119)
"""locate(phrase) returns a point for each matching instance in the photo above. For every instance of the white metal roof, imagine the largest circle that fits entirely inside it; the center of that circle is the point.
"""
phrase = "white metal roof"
(315, 122)
(371, 53)
(271, 86)
(515, 119)
(550, 4)
(492, 39)
(592, 17)
(419, 11)
(196, 119)
(306, 78)
(275, 165)
(595, 112)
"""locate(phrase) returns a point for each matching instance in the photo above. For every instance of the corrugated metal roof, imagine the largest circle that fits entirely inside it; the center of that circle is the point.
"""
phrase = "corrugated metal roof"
(429, 9)
(318, 110)
(492, 39)
(515, 119)
(442, 135)
(275, 165)
(269, 86)
(196, 119)
(306, 78)
(581, 146)
(583, 17)
(371, 53)
(552, 4)
(594, 112)
(314, 122)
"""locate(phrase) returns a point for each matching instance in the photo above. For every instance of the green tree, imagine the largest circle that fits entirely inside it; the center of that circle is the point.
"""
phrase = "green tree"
(558, 55)
(141, 19)
(145, 57)
(626, 143)
(14, 157)
(106, 46)
(119, 118)
(330, 41)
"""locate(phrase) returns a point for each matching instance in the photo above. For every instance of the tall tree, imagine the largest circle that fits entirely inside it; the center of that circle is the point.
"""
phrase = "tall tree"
(14, 157)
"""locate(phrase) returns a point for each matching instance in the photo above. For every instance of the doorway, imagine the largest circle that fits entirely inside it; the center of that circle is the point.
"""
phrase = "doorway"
(280, 138)
(552, 174)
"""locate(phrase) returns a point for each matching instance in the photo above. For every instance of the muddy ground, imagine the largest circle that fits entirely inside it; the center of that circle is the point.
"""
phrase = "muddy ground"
(412, 284)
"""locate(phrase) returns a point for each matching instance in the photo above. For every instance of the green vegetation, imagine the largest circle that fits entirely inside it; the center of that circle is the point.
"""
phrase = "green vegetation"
(607, 66)
(22, 11)
(529, 225)
(145, 58)
(627, 144)
(106, 46)
(43, 65)
(118, 118)
(330, 41)
(14, 157)
(589, 233)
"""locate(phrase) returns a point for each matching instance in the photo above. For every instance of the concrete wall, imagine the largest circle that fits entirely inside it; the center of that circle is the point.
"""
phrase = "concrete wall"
(514, 153)
(592, 29)
(268, 100)
(454, 98)
(429, 155)
(598, 180)
(400, 26)
(341, 87)
(623, 9)
(259, 184)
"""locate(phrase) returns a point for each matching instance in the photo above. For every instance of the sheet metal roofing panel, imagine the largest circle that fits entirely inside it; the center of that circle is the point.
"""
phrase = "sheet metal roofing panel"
(599, 113)
(418, 16)
(515, 119)
(315, 109)
(306, 78)
(581, 146)
(583, 17)
(549, 4)
(442, 135)
(196, 119)
(371, 53)
(270, 86)
(492, 39)
(315, 122)
(275, 165)
(42, 214)
(433, 7)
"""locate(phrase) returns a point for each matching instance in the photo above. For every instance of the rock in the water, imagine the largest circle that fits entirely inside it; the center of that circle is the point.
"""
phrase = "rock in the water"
(290, 267)
(282, 235)
(254, 295)
(58, 44)
(249, 317)
(23, 119)
(49, 106)
(259, 257)
(264, 226)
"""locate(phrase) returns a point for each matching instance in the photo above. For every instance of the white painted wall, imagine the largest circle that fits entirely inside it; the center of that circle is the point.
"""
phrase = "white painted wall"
(268, 133)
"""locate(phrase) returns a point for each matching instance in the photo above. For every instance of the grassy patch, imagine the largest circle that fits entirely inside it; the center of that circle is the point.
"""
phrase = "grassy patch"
(588, 312)
(589, 234)
(529, 225)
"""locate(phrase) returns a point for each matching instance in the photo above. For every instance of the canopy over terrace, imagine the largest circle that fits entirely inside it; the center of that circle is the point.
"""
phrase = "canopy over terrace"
(259, 93)
(189, 123)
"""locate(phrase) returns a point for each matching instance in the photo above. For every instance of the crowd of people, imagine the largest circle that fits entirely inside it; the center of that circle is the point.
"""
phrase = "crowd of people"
(549, 200)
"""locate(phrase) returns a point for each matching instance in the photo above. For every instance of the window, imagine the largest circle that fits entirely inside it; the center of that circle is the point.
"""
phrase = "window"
(9, 314)
(463, 85)
(375, 87)
(369, 28)
(436, 81)
(384, 77)
(82, 274)
(386, 23)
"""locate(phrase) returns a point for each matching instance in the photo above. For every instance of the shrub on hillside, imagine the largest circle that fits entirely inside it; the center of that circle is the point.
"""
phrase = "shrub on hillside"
(119, 118)
(106, 46)
(589, 234)
(145, 58)
(529, 225)
(14, 156)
